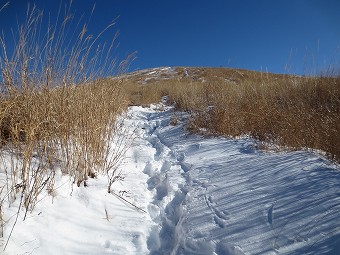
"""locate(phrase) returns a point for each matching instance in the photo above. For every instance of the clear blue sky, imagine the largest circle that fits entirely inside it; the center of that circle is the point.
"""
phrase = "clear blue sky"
(268, 35)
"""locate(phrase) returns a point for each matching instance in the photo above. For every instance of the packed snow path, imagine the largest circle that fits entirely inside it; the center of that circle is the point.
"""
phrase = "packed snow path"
(196, 195)
(223, 196)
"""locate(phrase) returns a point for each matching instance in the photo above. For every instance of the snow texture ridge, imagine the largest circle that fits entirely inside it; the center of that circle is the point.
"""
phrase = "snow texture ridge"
(229, 198)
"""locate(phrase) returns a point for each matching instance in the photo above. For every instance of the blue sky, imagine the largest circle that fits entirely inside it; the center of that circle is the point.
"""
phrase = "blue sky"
(295, 36)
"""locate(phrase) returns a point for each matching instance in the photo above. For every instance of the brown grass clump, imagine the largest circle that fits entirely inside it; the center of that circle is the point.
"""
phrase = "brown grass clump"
(297, 112)
(56, 113)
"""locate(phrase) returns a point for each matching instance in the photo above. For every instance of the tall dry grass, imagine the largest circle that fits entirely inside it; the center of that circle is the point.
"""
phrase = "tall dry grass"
(286, 110)
(295, 112)
(56, 112)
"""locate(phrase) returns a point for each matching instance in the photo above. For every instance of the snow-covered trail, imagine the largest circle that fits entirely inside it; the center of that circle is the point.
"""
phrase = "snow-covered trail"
(166, 182)
(223, 196)
(211, 196)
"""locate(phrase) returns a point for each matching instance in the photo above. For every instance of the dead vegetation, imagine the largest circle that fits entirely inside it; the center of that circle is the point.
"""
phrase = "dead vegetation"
(56, 112)
(290, 111)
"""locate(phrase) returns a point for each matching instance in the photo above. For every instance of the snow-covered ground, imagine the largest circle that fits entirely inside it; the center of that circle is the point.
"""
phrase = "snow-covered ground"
(192, 195)
(151, 74)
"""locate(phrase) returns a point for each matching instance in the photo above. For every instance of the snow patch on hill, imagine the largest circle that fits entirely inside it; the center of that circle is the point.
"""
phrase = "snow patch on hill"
(151, 74)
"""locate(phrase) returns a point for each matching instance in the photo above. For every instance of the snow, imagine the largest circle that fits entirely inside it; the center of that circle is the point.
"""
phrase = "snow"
(192, 195)
(151, 74)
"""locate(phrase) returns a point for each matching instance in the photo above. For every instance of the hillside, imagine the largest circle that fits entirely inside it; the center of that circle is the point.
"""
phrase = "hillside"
(201, 74)
(290, 111)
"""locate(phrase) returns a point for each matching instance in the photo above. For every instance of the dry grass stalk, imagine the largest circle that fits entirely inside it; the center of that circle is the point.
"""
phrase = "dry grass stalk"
(55, 109)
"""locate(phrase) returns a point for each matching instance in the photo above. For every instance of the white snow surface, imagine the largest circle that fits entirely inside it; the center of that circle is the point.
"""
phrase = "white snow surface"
(150, 74)
(196, 195)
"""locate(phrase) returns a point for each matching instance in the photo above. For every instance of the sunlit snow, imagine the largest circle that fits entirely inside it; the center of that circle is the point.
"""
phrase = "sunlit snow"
(191, 195)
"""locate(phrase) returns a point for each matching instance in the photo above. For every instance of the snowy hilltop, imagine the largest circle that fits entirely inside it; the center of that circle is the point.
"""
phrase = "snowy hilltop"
(184, 193)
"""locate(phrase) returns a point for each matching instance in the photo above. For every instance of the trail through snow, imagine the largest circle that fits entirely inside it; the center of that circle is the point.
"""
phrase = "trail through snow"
(211, 196)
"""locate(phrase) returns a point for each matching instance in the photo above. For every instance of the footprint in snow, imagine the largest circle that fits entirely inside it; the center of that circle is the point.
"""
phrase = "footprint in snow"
(220, 217)
(162, 190)
(148, 169)
(153, 182)
(224, 248)
(270, 216)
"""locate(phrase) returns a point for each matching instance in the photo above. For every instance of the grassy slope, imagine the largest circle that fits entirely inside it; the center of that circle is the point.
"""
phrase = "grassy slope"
(287, 110)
